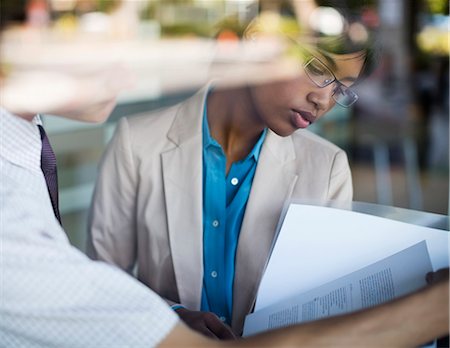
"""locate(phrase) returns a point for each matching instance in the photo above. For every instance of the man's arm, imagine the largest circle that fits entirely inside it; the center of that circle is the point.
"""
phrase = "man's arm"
(51, 294)
(409, 321)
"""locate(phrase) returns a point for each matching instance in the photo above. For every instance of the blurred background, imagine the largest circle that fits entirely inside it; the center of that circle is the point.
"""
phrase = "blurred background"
(396, 135)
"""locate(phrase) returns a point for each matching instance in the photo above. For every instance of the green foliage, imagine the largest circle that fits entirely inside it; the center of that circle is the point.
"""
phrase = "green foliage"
(149, 11)
(186, 29)
(107, 5)
(438, 6)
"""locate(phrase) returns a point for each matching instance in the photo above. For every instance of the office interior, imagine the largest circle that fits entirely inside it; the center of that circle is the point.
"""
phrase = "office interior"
(396, 136)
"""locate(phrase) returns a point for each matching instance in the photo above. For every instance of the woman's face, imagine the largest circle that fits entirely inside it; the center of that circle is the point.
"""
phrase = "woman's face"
(285, 106)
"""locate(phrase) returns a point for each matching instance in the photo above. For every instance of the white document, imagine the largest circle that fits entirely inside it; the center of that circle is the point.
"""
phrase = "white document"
(397, 275)
(317, 244)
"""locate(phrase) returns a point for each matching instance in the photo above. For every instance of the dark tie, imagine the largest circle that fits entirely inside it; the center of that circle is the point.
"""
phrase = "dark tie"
(48, 166)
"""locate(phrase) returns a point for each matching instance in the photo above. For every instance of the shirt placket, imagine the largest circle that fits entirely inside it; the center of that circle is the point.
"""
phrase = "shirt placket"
(214, 230)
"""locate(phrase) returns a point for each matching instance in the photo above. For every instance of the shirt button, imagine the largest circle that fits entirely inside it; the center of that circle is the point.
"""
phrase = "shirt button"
(234, 181)
(214, 274)
(223, 319)
(215, 223)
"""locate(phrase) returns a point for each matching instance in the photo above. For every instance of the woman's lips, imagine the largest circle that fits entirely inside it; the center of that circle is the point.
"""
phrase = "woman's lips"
(302, 119)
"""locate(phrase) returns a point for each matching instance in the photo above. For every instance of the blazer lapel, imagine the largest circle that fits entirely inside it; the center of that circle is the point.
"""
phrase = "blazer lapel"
(182, 176)
(273, 184)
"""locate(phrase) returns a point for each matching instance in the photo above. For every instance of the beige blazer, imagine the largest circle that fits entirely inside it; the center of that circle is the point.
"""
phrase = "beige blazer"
(147, 205)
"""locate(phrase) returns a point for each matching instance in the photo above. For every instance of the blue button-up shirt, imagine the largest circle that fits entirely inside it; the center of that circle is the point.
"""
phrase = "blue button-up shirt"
(224, 200)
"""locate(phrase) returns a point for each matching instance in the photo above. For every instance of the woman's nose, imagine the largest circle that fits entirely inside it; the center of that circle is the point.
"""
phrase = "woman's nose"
(322, 97)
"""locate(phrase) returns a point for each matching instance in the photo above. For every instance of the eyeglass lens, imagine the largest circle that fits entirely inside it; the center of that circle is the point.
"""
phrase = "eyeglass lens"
(345, 96)
(322, 77)
(319, 73)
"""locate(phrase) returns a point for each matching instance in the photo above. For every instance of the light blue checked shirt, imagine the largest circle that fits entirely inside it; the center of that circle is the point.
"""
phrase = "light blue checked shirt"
(51, 294)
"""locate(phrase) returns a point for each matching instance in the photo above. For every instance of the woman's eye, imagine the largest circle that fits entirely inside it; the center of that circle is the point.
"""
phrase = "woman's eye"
(316, 70)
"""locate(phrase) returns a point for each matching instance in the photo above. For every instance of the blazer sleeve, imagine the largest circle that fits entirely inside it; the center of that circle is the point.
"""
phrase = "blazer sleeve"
(340, 182)
(111, 221)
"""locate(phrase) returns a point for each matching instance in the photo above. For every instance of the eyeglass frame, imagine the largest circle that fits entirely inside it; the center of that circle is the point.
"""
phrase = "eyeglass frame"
(334, 79)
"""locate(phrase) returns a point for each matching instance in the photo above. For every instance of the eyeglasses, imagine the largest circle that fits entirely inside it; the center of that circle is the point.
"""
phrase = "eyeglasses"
(322, 77)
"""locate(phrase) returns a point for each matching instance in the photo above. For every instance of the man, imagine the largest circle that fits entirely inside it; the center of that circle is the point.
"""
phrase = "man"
(54, 296)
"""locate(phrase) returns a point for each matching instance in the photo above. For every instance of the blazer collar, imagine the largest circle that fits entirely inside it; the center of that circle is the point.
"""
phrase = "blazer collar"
(273, 184)
(188, 120)
(280, 148)
(182, 177)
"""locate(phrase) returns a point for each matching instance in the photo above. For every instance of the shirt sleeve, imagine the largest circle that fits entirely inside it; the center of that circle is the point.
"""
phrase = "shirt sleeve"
(52, 295)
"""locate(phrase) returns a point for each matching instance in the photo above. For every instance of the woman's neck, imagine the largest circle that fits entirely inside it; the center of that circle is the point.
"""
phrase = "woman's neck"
(234, 122)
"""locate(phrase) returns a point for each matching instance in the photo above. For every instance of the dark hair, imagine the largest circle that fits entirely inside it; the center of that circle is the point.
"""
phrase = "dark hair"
(343, 44)
(304, 45)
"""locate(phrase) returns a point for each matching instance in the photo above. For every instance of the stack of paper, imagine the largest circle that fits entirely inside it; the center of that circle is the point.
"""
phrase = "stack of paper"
(329, 261)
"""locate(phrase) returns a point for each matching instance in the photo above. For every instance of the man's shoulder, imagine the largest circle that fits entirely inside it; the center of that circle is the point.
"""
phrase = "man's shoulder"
(25, 204)
(15, 177)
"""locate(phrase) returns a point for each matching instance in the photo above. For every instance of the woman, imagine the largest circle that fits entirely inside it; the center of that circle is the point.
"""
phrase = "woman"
(192, 194)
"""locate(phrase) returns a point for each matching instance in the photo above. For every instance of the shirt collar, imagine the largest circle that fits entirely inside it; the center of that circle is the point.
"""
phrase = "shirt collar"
(20, 140)
(207, 139)
(257, 148)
